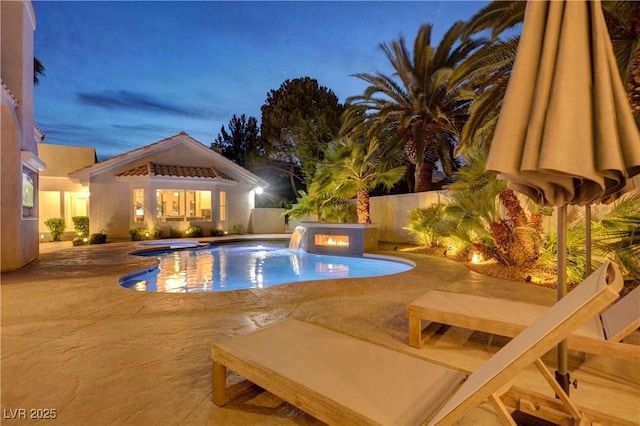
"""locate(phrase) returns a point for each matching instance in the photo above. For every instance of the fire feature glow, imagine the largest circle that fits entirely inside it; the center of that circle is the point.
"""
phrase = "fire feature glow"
(332, 240)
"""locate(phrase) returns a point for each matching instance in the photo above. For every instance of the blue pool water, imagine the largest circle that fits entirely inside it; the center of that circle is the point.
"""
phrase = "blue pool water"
(250, 265)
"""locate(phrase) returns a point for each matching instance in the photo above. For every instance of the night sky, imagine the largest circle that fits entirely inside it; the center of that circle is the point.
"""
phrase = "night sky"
(122, 74)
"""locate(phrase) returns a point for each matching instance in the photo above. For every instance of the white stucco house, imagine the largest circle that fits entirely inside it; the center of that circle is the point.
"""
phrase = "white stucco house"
(59, 195)
(173, 183)
(20, 164)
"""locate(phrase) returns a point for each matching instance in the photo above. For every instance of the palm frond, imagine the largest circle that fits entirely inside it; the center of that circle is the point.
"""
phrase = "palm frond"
(498, 16)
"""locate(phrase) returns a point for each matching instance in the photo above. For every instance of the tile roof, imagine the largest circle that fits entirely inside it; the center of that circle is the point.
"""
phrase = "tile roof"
(10, 96)
(151, 169)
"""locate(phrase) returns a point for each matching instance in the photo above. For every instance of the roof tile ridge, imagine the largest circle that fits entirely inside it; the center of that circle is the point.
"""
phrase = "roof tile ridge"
(12, 99)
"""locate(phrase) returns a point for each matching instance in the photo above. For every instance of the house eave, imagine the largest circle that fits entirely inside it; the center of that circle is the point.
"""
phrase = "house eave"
(174, 179)
(30, 160)
(85, 174)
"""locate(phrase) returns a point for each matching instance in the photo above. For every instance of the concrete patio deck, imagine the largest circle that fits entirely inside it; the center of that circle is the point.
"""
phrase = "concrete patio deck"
(76, 342)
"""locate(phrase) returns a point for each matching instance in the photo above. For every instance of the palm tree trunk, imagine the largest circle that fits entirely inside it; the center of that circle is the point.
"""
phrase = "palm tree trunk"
(410, 177)
(634, 77)
(292, 179)
(634, 88)
(363, 206)
(424, 176)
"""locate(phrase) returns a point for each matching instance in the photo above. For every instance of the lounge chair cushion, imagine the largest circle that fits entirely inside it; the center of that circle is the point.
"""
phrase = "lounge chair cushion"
(623, 317)
(488, 313)
(345, 370)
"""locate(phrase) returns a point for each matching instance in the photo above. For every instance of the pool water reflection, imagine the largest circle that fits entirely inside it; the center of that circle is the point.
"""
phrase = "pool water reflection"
(251, 265)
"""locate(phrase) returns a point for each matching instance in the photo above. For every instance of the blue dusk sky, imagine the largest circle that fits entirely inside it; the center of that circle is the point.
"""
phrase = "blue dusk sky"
(124, 74)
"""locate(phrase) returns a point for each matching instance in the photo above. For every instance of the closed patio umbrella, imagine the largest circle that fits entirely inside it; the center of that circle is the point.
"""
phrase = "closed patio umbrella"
(566, 134)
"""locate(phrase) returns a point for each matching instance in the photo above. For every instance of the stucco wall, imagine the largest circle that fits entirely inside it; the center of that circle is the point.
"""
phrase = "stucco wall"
(64, 159)
(241, 201)
(391, 212)
(111, 207)
(267, 221)
(55, 182)
(10, 198)
(19, 242)
(17, 27)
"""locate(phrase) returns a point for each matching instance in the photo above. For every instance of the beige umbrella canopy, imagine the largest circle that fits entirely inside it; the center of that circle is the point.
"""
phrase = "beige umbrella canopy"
(566, 134)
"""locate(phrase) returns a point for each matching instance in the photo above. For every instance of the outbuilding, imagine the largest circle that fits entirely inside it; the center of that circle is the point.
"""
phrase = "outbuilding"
(173, 184)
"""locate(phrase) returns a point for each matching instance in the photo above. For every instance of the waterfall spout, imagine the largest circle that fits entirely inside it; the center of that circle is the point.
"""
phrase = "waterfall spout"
(296, 241)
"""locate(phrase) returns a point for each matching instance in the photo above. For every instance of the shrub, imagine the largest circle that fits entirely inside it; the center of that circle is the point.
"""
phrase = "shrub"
(77, 241)
(98, 238)
(217, 232)
(175, 233)
(193, 231)
(491, 217)
(139, 234)
(424, 224)
(238, 229)
(81, 225)
(56, 226)
(340, 211)
(153, 233)
(615, 235)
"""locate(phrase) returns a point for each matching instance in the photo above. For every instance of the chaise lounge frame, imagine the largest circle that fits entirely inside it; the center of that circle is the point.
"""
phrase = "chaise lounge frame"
(601, 335)
(343, 380)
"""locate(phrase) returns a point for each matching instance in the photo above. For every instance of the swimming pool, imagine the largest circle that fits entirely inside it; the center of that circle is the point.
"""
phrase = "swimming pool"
(237, 266)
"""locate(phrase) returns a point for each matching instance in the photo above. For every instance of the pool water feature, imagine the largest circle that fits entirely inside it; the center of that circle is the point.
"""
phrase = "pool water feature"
(246, 265)
(297, 242)
(347, 239)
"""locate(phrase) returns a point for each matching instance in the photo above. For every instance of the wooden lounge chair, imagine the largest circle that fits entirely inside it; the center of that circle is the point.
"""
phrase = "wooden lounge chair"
(600, 335)
(343, 380)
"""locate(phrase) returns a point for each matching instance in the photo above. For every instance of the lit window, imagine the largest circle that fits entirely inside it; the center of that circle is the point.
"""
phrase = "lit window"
(29, 192)
(223, 206)
(138, 205)
(199, 205)
(180, 205)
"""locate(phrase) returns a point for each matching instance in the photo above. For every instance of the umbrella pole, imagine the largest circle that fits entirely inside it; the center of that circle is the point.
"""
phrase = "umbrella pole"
(587, 240)
(562, 374)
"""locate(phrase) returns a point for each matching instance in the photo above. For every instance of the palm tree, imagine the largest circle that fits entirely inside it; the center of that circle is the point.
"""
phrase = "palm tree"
(502, 231)
(353, 168)
(38, 70)
(472, 206)
(493, 62)
(306, 204)
(491, 68)
(425, 102)
(623, 22)
(615, 232)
